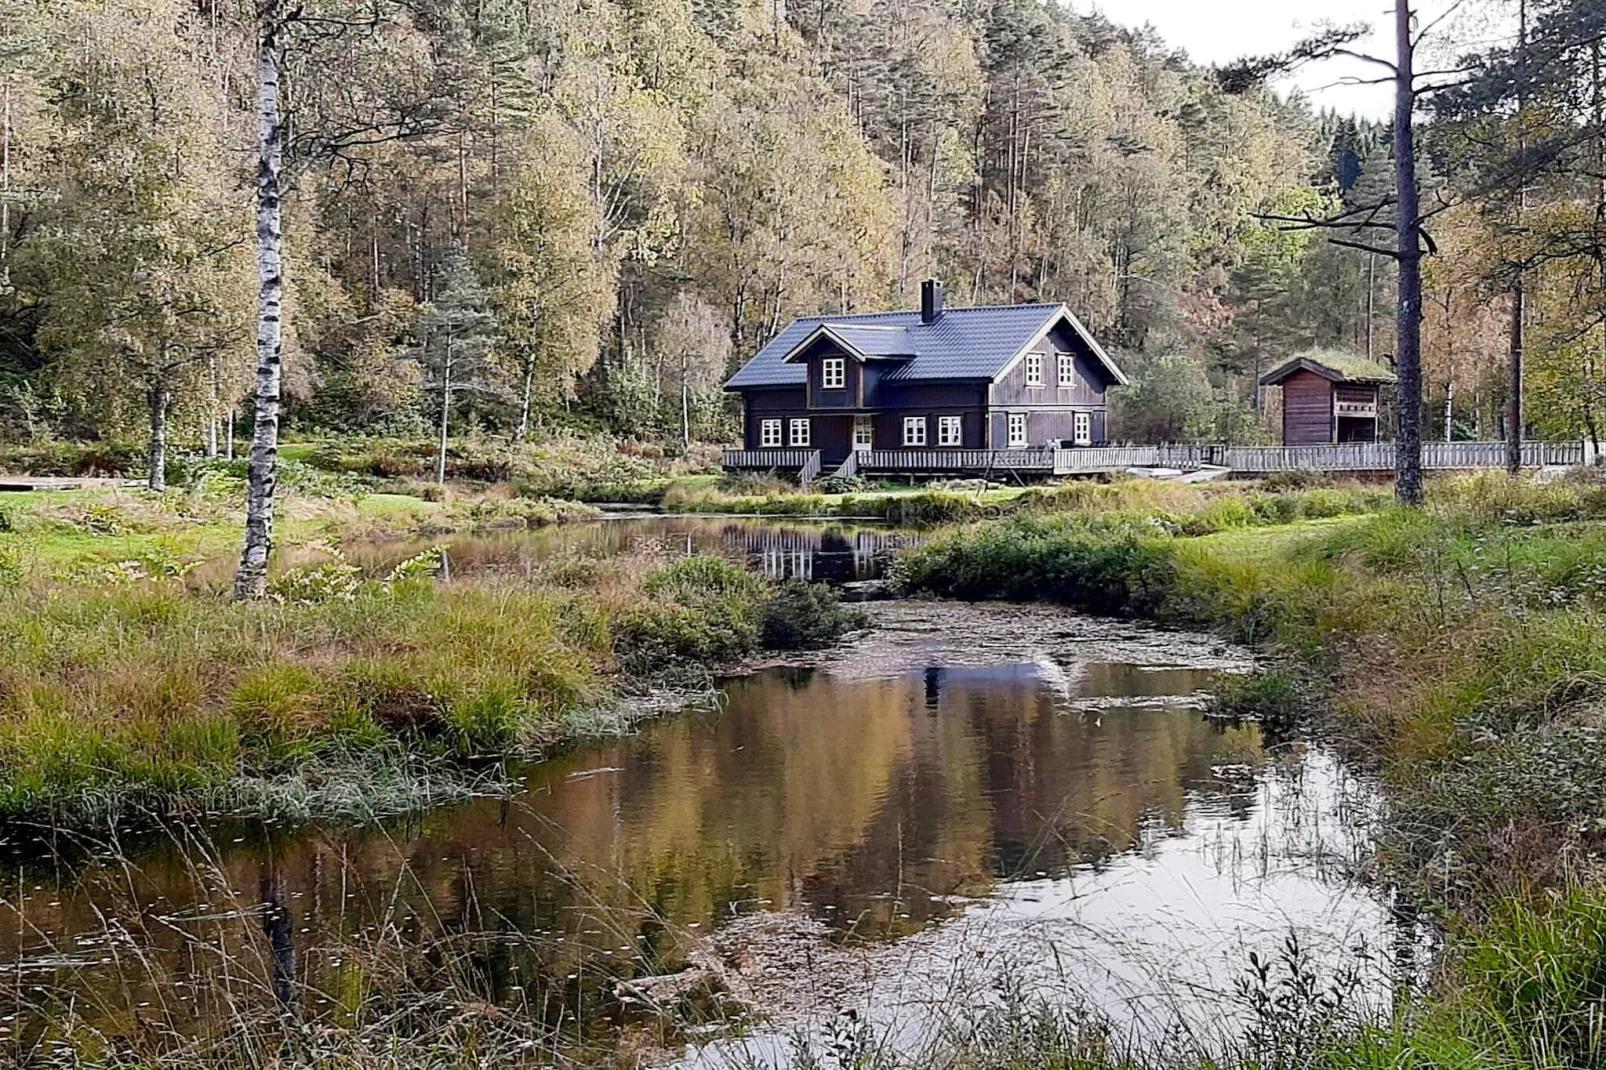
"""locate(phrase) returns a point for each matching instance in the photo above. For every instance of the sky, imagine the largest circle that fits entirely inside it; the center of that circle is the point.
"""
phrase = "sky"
(1218, 31)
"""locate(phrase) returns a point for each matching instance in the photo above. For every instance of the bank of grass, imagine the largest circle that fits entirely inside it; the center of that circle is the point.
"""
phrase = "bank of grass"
(1190, 508)
(81, 534)
(134, 693)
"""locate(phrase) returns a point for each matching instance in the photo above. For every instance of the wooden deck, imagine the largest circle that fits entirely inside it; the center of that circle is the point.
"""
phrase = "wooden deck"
(1359, 457)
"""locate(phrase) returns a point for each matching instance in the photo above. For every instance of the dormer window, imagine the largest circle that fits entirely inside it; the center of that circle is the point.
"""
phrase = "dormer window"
(1034, 369)
(833, 373)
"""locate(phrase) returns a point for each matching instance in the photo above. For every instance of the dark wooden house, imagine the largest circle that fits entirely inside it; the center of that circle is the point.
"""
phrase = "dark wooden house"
(986, 378)
(1329, 397)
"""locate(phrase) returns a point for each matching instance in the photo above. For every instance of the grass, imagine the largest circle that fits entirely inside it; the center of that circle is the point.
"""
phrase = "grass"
(134, 685)
(1195, 509)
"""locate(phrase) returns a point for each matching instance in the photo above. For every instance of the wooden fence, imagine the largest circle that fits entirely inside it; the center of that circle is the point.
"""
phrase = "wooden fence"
(767, 458)
(1249, 460)
(1379, 456)
(980, 461)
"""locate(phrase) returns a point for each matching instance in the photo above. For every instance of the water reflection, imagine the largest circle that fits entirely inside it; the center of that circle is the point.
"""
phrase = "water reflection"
(878, 805)
(822, 552)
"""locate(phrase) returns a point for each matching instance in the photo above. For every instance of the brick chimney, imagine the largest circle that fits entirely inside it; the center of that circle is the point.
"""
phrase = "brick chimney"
(930, 301)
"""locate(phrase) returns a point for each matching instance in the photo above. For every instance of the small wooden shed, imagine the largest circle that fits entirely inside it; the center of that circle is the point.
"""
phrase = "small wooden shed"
(1329, 396)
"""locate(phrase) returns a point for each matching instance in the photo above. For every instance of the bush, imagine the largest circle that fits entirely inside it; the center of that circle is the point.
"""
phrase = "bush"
(843, 485)
(1277, 699)
(705, 609)
(807, 616)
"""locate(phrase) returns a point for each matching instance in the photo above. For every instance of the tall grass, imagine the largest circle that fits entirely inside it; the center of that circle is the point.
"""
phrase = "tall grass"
(143, 696)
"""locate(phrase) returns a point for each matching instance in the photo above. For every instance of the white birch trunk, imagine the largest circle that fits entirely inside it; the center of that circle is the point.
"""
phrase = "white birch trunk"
(262, 476)
(446, 414)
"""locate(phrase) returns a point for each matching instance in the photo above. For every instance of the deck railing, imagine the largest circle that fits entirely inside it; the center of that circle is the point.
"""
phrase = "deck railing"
(767, 458)
(810, 470)
(939, 460)
(1379, 456)
(1251, 460)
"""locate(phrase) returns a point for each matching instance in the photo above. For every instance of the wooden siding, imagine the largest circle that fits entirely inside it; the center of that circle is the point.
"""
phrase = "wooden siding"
(845, 398)
(1307, 410)
(769, 404)
(1084, 390)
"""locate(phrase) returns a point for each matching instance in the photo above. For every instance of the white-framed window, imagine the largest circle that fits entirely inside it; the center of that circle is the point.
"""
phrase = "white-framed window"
(1067, 370)
(950, 430)
(1017, 430)
(769, 433)
(1083, 423)
(1034, 369)
(864, 432)
(800, 431)
(833, 373)
(914, 430)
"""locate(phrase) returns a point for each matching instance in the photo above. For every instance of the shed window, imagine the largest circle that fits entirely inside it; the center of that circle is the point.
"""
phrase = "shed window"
(769, 433)
(800, 431)
(1034, 369)
(833, 373)
(950, 430)
(1084, 428)
(1017, 430)
(914, 430)
(1066, 369)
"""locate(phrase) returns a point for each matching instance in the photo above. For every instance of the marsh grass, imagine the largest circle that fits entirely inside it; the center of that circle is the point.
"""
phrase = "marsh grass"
(342, 693)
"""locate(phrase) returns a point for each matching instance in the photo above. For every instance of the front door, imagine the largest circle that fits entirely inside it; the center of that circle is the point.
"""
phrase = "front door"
(863, 434)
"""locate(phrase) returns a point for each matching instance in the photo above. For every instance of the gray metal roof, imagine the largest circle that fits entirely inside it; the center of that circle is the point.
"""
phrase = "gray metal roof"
(963, 343)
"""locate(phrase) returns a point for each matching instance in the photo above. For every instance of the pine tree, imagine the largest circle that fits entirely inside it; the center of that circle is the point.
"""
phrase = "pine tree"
(456, 336)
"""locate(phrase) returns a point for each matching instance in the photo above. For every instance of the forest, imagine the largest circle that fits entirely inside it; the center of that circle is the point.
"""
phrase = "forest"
(606, 206)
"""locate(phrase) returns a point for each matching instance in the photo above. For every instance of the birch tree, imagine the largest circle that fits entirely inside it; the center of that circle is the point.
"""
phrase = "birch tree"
(326, 114)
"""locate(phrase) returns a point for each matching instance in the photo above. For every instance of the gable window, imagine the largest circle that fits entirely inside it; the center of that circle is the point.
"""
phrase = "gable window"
(1034, 369)
(769, 433)
(800, 431)
(833, 373)
(1017, 430)
(950, 430)
(914, 430)
(1066, 370)
(1084, 428)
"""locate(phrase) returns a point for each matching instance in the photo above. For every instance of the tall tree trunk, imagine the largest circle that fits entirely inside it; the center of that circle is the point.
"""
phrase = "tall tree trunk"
(5, 175)
(524, 400)
(1449, 409)
(234, 415)
(685, 401)
(1408, 346)
(160, 398)
(251, 581)
(1515, 361)
(446, 414)
(211, 407)
(1519, 296)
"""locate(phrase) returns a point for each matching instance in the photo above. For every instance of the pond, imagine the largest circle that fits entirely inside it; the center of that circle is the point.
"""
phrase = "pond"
(1019, 789)
(821, 551)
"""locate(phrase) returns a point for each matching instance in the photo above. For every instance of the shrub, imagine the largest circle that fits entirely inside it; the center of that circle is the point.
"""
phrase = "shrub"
(843, 485)
(1278, 699)
(807, 616)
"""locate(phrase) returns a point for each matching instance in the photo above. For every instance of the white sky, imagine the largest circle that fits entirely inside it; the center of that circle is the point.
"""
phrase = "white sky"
(1218, 31)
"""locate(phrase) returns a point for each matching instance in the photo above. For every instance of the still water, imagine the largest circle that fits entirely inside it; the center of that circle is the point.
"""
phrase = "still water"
(1012, 788)
(822, 551)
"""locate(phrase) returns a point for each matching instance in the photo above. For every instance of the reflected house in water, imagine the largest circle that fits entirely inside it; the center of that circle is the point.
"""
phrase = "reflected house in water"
(826, 555)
